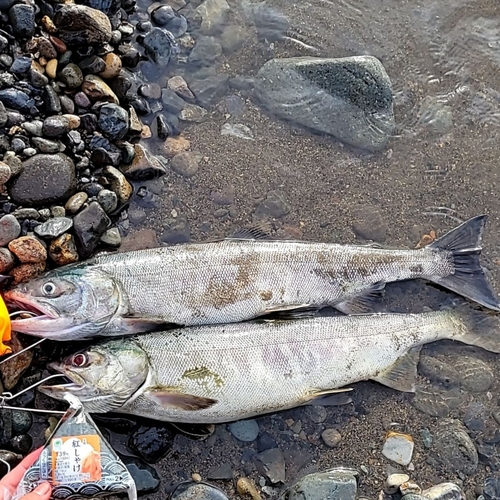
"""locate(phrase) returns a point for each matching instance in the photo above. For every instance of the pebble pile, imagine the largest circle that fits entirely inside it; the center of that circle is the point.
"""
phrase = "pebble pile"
(74, 106)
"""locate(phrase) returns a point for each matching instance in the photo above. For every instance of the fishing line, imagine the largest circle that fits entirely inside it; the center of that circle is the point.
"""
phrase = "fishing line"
(38, 342)
(12, 356)
(7, 396)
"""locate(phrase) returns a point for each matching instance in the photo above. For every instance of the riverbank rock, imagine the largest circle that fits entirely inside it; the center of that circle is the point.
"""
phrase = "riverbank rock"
(454, 448)
(349, 98)
(80, 25)
(337, 484)
(45, 179)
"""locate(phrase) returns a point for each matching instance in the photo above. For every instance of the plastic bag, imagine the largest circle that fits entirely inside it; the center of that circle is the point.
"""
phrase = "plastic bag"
(78, 461)
(5, 328)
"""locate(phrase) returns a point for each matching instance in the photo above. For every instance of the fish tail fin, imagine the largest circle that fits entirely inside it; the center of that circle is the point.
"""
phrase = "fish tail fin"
(469, 278)
(481, 328)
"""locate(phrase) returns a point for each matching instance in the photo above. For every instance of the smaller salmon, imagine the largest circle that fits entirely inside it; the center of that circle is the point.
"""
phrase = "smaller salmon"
(219, 373)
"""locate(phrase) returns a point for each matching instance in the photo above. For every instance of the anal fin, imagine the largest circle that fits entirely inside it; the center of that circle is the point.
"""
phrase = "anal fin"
(402, 374)
(363, 303)
(330, 397)
(171, 398)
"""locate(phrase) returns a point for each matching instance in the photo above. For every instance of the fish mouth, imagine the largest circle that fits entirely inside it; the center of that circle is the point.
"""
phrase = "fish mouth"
(73, 383)
(19, 303)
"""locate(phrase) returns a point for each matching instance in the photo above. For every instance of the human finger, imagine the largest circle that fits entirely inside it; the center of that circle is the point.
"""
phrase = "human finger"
(41, 492)
(13, 478)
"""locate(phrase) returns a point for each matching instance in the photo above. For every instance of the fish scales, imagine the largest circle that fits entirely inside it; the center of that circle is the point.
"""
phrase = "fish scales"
(256, 368)
(235, 280)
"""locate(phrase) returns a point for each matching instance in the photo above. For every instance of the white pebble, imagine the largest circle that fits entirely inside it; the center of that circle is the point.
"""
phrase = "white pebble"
(398, 448)
(394, 481)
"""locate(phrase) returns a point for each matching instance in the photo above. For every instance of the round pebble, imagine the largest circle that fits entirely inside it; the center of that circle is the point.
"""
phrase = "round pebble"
(112, 237)
(57, 211)
(5, 172)
(244, 430)
(21, 422)
(331, 437)
(316, 413)
(82, 100)
(186, 164)
(6, 260)
(76, 202)
(113, 121)
(51, 68)
(74, 121)
(28, 250)
(10, 229)
(113, 66)
(162, 15)
(54, 126)
(119, 184)
(108, 200)
(71, 75)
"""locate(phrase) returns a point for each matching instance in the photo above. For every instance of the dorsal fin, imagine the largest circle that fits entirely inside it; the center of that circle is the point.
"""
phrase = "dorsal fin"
(261, 231)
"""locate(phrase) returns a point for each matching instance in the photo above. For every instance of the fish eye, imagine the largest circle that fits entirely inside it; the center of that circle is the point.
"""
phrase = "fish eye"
(49, 288)
(79, 360)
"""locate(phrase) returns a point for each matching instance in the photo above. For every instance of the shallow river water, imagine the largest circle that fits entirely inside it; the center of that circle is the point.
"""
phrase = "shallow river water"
(439, 168)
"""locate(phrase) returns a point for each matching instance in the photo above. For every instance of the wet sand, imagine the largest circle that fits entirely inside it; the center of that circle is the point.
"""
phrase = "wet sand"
(325, 183)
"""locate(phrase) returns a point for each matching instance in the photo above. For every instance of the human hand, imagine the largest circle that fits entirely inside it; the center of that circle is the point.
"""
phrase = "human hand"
(9, 483)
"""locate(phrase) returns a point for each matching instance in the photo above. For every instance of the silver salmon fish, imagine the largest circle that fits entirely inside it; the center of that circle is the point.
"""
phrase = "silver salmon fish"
(221, 373)
(234, 280)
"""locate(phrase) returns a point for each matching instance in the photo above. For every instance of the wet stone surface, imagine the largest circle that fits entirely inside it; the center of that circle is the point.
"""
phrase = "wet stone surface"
(326, 89)
(454, 448)
(337, 484)
(200, 491)
(151, 443)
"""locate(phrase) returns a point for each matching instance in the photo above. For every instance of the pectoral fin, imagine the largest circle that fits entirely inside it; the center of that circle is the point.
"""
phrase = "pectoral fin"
(172, 399)
(362, 304)
(295, 312)
(402, 374)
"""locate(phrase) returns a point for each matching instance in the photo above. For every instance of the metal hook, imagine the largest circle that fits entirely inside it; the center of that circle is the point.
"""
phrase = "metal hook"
(38, 342)
(6, 465)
